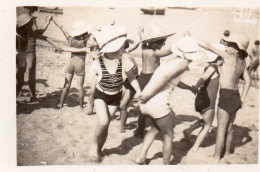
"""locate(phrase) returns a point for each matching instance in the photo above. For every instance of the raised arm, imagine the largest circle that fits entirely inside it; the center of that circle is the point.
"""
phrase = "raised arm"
(41, 30)
(64, 31)
(164, 80)
(211, 48)
(136, 44)
(246, 86)
(163, 53)
(50, 41)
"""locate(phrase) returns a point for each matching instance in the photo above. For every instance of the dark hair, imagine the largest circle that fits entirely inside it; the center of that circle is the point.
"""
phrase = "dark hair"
(226, 33)
(32, 8)
(126, 44)
(82, 36)
(160, 42)
(257, 42)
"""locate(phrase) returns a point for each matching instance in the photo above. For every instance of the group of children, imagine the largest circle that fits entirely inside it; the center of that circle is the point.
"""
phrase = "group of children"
(115, 80)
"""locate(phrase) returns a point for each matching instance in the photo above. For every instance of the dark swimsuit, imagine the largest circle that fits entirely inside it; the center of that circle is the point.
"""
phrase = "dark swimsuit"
(206, 98)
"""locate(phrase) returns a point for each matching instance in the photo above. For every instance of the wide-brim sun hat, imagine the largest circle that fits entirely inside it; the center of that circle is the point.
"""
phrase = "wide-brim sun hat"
(241, 40)
(112, 38)
(212, 56)
(186, 47)
(155, 33)
(23, 19)
(80, 27)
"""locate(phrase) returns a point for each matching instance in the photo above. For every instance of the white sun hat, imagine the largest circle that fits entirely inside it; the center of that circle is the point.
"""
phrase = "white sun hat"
(241, 40)
(212, 56)
(80, 27)
(186, 47)
(23, 19)
(112, 38)
(155, 33)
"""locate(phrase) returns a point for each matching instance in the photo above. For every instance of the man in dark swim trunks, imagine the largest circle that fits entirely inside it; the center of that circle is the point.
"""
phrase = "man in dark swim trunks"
(229, 98)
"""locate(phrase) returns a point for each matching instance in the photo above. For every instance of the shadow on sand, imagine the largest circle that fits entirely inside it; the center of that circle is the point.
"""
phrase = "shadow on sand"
(50, 100)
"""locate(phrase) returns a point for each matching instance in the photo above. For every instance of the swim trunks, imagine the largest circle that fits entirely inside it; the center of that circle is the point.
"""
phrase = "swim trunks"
(113, 100)
(206, 98)
(229, 100)
(143, 79)
(75, 65)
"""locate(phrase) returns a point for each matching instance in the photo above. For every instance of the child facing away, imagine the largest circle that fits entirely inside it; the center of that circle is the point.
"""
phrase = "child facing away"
(156, 94)
(206, 90)
(153, 41)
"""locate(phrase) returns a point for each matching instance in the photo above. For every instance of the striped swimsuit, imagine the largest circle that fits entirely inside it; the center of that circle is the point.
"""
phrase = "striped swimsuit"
(110, 83)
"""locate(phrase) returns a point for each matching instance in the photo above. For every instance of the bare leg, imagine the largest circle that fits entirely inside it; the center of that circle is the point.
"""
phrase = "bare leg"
(20, 72)
(104, 115)
(223, 118)
(66, 87)
(193, 127)
(148, 140)
(31, 65)
(208, 117)
(80, 82)
(100, 133)
(90, 105)
(123, 108)
(230, 134)
(166, 125)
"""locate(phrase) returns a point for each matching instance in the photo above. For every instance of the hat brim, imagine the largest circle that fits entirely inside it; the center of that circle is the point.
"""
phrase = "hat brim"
(191, 56)
(24, 21)
(156, 38)
(81, 31)
(115, 45)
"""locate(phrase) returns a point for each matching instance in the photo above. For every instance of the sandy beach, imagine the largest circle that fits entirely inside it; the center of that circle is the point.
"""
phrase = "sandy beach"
(47, 135)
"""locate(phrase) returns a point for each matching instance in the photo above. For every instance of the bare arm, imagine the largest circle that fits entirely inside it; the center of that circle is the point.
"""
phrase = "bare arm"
(41, 30)
(246, 86)
(163, 53)
(206, 75)
(64, 31)
(140, 32)
(50, 41)
(209, 47)
(164, 80)
(75, 50)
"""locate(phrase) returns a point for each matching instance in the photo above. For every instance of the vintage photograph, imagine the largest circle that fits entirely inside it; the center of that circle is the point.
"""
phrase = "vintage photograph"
(119, 85)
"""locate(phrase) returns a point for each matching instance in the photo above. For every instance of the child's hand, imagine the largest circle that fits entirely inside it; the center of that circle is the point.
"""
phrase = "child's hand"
(194, 89)
(140, 30)
(58, 49)
(48, 18)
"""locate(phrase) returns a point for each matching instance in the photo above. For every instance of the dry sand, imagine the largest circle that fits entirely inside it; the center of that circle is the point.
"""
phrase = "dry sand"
(47, 135)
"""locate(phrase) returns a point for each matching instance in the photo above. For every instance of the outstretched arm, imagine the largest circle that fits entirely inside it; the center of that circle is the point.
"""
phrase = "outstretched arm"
(163, 53)
(164, 80)
(64, 31)
(206, 75)
(209, 47)
(50, 41)
(246, 86)
(75, 50)
(136, 44)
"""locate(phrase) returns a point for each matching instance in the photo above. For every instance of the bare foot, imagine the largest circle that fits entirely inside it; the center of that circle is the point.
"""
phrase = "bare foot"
(60, 106)
(140, 161)
(89, 110)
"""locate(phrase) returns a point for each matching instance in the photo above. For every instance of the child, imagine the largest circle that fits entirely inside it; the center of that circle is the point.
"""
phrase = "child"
(152, 43)
(254, 63)
(26, 58)
(230, 100)
(31, 51)
(110, 69)
(76, 65)
(156, 94)
(128, 90)
(206, 96)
